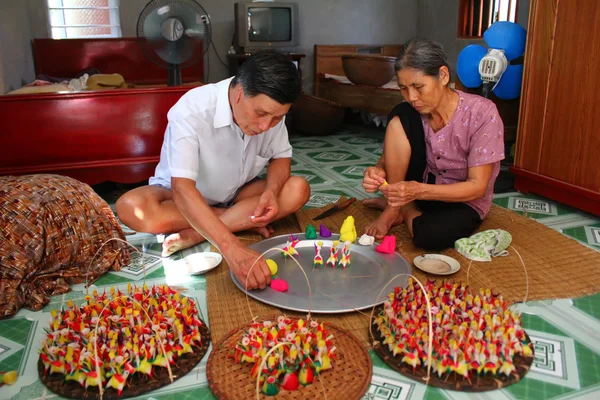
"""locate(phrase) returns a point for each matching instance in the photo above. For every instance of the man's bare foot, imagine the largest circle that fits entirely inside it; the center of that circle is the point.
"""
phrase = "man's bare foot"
(382, 225)
(376, 202)
(179, 241)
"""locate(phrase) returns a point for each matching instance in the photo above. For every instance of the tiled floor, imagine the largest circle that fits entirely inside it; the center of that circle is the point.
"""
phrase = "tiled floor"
(565, 332)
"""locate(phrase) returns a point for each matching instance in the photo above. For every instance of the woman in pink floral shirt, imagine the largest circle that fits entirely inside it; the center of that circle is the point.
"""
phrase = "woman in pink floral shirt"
(441, 154)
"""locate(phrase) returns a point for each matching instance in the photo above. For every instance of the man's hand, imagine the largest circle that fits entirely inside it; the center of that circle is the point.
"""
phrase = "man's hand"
(240, 260)
(266, 210)
(374, 178)
(401, 193)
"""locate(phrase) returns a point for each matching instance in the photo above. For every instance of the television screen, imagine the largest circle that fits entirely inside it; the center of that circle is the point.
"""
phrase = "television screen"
(269, 24)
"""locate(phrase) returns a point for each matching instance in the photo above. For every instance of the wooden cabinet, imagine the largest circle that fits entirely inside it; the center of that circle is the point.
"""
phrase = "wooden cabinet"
(558, 141)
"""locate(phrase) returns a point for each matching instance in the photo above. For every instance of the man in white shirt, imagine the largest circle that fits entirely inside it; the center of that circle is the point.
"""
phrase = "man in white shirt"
(218, 139)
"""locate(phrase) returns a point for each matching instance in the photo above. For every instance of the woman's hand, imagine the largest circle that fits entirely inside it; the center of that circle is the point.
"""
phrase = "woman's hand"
(374, 178)
(401, 193)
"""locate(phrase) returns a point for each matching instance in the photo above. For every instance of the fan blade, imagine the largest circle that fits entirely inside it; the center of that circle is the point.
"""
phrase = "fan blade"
(507, 36)
(467, 65)
(509, 86)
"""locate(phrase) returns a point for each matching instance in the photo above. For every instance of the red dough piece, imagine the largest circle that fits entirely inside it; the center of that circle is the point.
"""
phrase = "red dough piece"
(279, 284)
(388, 246)
(290, 382)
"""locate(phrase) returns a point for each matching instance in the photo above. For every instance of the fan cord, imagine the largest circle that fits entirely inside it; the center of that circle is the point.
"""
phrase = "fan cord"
(212, 43)
(217, 53)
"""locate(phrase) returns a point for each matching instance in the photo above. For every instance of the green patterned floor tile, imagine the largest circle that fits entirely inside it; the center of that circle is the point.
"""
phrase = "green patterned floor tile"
(589, 305)
(332, 156)
(536, 323)
(323, 197)
(12, 362)
(311, 176)
(202, 393)
(537, 390)
(589, 234)
(588, 363)
(533, 206)
(376, 151)
(433, 394)
(377, 361)
(310, 144)
(361, 141)
(16, 329)
(353, 172)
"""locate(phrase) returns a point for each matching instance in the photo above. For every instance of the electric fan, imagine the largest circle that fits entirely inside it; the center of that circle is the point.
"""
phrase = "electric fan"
(174, 34)
(492, 67)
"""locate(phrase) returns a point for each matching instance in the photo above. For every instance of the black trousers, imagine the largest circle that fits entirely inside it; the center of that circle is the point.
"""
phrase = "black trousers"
(441, 223)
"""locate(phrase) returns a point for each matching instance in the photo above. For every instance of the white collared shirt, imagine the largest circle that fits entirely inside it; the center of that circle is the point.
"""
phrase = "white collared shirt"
(203, 143)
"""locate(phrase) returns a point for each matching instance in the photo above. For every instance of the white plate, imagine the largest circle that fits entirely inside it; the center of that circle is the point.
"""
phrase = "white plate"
(437, 264)
(199, 263)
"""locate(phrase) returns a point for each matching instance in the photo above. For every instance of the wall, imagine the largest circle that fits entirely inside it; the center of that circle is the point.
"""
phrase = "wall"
(321, 22)
(16, 59)
(438, 20)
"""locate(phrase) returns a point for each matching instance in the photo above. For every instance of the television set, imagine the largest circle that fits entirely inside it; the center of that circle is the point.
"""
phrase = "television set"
(263, 25)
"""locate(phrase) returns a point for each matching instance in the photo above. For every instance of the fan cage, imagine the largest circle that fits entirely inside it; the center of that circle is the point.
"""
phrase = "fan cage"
(180, 9)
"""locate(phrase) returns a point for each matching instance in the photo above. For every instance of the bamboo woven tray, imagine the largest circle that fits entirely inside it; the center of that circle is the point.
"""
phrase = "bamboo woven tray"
(451, 381)
(349, 378)
(137, 385)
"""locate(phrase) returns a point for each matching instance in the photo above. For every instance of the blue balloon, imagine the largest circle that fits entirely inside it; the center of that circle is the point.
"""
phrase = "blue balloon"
(467, 65)
(509, 86)
(507, 36)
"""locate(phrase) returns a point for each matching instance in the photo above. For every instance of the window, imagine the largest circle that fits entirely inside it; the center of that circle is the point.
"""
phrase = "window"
(70, 19)
(475, 16)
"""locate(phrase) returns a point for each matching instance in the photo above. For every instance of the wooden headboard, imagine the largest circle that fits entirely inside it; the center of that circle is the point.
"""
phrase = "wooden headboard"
(328, 58)
(67, 57)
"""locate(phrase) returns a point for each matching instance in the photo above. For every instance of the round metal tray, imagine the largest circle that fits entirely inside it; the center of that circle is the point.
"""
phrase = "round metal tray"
(336, 290)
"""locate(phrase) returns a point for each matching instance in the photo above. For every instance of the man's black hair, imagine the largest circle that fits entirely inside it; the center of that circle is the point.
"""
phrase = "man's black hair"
(271, 73)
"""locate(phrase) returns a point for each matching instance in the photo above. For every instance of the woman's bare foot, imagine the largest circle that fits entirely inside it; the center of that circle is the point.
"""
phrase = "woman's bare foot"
(382, 225)
(179, 241)
(376, 202)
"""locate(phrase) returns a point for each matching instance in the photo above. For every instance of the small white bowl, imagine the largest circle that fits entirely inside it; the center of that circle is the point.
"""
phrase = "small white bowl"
(437, 264)
(199, 263)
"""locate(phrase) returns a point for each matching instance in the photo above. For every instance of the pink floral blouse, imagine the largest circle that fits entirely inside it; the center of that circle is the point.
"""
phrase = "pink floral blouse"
(473, 137)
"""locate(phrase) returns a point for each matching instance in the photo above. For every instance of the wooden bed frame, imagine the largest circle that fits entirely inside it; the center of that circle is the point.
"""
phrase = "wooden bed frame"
(93, 136)
(328, 60)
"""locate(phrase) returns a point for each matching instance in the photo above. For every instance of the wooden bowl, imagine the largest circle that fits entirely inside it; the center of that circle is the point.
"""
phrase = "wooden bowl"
(312, 115)
(368, 69)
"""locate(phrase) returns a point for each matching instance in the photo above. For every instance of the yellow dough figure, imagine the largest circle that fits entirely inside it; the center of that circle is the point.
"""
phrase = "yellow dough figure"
(348, 230)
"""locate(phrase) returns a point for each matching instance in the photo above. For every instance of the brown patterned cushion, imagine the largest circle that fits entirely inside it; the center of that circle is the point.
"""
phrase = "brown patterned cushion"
(50, 228)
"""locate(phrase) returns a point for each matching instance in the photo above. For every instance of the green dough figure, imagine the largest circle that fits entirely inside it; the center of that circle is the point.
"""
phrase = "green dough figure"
(311, 232)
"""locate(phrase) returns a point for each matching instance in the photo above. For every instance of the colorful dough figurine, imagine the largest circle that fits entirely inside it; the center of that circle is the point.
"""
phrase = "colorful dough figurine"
(128, 331)
(307, 352)
(318, 261)
(348, 230)
(475, 332)
(8, 378)
(311, 232)
(324, 232)
(345, 261)
(290, 248)
(333, 254)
